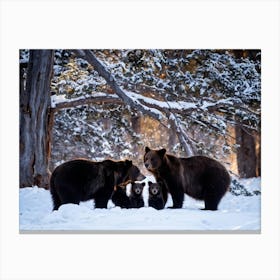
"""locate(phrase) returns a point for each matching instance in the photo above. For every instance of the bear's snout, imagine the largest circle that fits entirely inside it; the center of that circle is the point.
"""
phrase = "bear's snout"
(138, 191)
(154, 191)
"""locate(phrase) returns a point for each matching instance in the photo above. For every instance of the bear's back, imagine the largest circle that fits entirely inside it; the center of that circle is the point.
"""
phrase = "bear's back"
(77, 170)
(200, 163)
(200, 172)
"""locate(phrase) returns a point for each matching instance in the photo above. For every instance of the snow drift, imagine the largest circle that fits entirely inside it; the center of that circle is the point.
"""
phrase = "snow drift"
(236, 213)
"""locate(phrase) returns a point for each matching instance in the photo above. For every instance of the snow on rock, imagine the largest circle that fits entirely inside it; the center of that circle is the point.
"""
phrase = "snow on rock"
(235, 213)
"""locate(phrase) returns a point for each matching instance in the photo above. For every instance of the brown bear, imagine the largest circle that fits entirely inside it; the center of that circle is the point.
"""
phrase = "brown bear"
(136, 196)
(81, 179)
(200, 177)
(155, 196)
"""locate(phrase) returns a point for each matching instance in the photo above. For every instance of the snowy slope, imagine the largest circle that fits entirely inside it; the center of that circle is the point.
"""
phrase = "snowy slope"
(235, 213)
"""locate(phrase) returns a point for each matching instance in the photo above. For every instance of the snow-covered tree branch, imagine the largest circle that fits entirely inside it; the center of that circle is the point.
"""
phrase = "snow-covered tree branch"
(110, 79)
(60, 102)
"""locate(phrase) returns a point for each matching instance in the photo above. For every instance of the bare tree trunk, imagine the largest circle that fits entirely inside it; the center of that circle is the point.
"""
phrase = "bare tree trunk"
(136, 124)
(172, 140)
(259, 157)
(246, 153)
(35, 120)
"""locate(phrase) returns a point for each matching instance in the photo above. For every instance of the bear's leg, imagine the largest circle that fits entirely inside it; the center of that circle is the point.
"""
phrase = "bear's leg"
(215, 182)
(141, 203)
(211, 199)
(161, 204)
(56, 200)
(158, 204)
(102, 197)
(70, 198)
(68, 194)
(63, 196)
(164, 193)
(178, 198)
(210, 205)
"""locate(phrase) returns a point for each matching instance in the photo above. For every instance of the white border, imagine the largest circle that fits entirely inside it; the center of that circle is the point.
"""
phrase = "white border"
(146, 24)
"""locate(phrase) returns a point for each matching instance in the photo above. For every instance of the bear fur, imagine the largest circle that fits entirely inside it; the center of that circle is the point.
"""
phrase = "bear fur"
(155, 196)
(81, 179)
(136, 195)
(200, 177)
(120, 198)
(134, 174)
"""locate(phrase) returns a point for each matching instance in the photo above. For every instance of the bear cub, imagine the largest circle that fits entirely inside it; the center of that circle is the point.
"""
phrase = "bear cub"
(155, 196)
(200, 177)
(136, 195)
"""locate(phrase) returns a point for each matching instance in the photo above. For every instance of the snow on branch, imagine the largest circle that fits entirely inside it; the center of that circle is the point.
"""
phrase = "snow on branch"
(60, 101)
(175, 105)
(183, 106)
(110, 79)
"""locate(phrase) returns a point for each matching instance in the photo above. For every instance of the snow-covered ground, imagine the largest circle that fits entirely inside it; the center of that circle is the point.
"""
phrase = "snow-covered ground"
(235, 213)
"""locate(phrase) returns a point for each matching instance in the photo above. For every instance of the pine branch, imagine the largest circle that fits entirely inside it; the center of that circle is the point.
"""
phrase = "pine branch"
(111, 81)
(58, 104)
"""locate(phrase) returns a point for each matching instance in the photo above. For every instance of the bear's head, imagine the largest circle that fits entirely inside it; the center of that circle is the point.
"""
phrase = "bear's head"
(153, 158)
(137, 188)
(154, 188)
(125, 170)
(119, 170)
(134, 174)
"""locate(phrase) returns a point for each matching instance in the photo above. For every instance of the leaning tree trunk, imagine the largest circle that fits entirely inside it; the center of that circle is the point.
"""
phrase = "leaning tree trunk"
(246, 153)
(35, 120)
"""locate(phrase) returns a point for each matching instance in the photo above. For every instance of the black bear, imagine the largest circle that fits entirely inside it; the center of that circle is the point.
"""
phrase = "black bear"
(119, 197)
(200, 177)
(81, 179)
(136, 197)
(155, 196)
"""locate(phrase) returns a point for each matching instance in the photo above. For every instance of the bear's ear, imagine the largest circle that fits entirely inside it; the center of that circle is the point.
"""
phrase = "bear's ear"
(128, 163)
(143, 184)
(147, 149)
(150, 183)
(161, 152)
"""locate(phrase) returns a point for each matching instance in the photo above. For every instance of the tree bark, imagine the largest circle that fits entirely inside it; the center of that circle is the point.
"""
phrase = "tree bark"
(259, 156)
(246, 153)
(35, 120)
(182, 136)
(136, 124)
